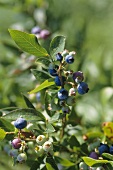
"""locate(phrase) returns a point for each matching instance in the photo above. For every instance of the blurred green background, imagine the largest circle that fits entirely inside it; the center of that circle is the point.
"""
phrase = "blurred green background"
(88, 27)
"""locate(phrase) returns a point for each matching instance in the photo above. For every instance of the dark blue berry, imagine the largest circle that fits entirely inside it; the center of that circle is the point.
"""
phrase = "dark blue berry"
(78, 77)
(59, 57)
(82, 88)
(69, 59)
(53, 72)
(58, 81)
(20, 123)
(93, 155)
(103, 148)
(111, 149)
(62, 94)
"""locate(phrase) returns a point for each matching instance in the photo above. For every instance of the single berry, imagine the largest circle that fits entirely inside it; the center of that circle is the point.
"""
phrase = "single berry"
(93, 155)
(83, 166)
(65, 109)
(111, 149)
(65, 52)
(44, 34)
(40, 139)
(58, 80)
(103, 148)
(59, 57)
(36, 30)
(62, 94)
(82, 88)
(13, 153)
(78, 77)
(20, 123)
(70, 100)
(22, 157)
(16, 143)
(69, 59)
(48, 146)
(53, 72)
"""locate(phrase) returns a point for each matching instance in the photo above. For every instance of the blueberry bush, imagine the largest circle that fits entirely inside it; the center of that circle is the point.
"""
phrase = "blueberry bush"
(56, 98)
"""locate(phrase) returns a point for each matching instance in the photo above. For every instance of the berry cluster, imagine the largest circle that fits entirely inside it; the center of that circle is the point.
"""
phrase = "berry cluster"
(19, 147)
(40, 33)
(62, 77)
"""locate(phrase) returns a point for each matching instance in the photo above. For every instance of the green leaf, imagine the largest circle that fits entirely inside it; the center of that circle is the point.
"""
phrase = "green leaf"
(28, 43)
(40, 75)
(50, 128)
(73, 142)
(108, 156)
(50, 163)
(54, 118)
(44, 61)
(28, 114)
(6, 125)
(28, 103)
(44, 85)
(91, 162)
(57, 45)
(2, 134)
(65, 162)
(35, 165)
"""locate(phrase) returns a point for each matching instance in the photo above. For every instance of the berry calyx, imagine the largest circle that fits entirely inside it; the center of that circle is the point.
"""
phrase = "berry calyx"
(40, 139)
(20, 123)
(69, 59)
(62, 94)
(82, 88)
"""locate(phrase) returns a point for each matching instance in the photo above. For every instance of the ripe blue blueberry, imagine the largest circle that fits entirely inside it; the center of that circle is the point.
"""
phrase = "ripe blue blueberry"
(20, 123)
(58, 81)
(62, 94)
(36, 30)
(69, 59)
(82, 88)
(103, 148)
(93, 155)
(59, 57)
(111, 149)
(53, 72)
(78, 77)
(16, 143)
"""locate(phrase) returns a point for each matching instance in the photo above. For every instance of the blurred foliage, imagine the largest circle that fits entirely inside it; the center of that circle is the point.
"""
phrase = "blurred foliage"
(88, 28)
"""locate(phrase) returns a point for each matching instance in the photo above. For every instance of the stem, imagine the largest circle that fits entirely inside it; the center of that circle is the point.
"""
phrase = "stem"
(60, 75)
(63, 126)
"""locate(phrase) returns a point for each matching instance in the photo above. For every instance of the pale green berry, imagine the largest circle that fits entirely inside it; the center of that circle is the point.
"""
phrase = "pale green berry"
(30, 144)
(22, 157)
(83, 166)
(48, 146)
(70, 100)
(40, 139)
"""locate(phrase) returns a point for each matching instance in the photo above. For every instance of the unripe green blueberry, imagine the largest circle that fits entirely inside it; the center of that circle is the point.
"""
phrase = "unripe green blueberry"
(39, 150)
(30, 144)
(83, 166)
(40, 139)
(65, 52)
(13, 153)
(70, 100)
(62, 102)
(22, 157)
(72, 53)
(48, 146)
